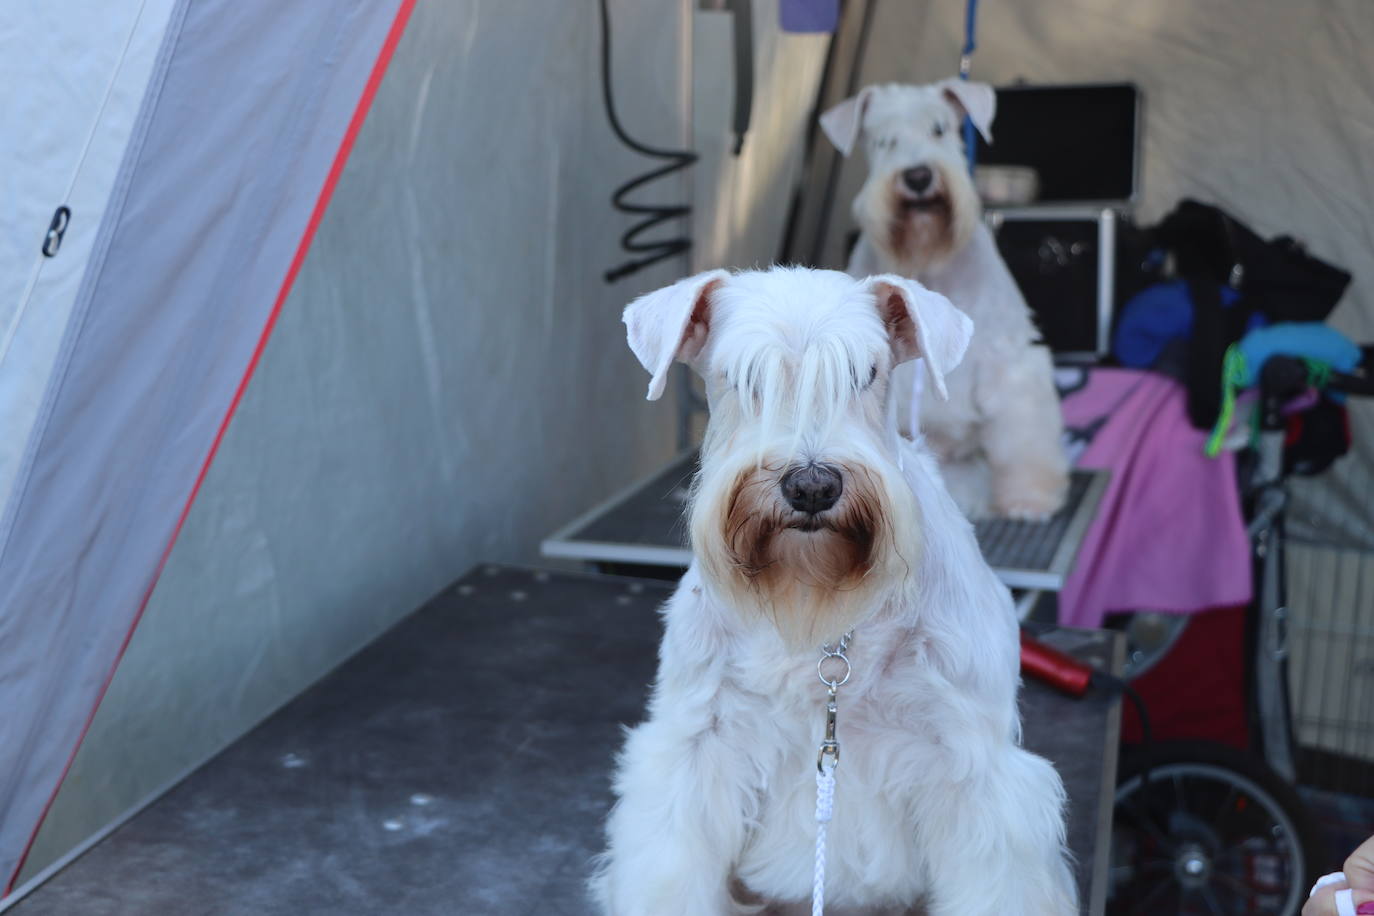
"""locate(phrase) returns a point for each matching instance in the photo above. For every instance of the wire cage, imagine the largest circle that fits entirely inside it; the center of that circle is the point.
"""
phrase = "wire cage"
(1331, 665)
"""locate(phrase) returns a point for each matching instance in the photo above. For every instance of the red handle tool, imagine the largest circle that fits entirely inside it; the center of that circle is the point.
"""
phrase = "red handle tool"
(1058, 669)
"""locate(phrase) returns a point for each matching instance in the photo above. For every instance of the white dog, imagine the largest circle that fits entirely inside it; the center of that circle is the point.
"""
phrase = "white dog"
(811, 516)
(998, 435)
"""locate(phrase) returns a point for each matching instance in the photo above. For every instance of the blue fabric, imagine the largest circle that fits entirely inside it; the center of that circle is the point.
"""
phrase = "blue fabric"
(1312, 340)
(809, 15)
(1157, 316)
(965, 63)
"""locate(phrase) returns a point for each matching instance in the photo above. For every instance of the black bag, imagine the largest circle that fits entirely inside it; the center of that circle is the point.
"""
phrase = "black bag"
(1316, 437)
(1276, 278)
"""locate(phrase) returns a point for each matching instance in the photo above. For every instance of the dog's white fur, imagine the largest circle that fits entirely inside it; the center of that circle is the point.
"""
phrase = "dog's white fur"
(936, 804)
(999, 435)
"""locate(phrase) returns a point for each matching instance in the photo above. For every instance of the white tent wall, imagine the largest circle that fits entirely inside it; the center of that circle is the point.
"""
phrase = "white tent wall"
(447, 383)
(741, 203)
(1265, 107)
(61, 143)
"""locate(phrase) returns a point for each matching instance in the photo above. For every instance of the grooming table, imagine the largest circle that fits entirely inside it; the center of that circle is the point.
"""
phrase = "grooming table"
(644, 527)
(460, 764)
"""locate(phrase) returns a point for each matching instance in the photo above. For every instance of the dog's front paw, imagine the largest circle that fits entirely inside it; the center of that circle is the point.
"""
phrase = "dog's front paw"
(1028, 492)
(1027, 510)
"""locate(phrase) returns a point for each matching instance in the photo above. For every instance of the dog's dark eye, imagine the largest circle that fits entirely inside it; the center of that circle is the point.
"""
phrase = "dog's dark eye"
(872, 377)
(939, 130)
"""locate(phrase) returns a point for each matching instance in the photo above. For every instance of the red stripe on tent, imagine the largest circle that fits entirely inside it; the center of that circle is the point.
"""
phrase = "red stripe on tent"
(374, 80)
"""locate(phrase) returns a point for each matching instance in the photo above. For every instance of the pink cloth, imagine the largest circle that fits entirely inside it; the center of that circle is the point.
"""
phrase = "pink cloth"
(1169, 535)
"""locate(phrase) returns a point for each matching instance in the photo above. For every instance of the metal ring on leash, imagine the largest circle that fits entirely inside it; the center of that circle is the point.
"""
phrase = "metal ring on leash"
(833, 683)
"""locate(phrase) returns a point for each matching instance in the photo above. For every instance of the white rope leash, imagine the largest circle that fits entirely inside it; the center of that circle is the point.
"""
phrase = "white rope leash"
(825, 807)
(827, 760)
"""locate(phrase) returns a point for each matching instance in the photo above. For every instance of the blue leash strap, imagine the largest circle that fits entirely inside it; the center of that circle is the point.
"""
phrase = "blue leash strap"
(965, 65)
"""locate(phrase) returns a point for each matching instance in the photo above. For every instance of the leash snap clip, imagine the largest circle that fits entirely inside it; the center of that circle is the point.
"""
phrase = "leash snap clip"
(830, 747)
(834, 676)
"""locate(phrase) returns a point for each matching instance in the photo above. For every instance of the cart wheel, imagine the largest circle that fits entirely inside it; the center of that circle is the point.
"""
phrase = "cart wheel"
(1212, 832)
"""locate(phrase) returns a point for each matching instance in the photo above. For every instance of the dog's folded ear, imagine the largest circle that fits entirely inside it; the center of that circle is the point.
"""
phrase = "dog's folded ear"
(921, 323)
(977, 100)
(843, 122)
(671, 322)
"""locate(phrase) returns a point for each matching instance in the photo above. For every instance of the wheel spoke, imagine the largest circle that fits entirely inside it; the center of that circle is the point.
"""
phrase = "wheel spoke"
(1144, 906)
(1225, 808)
(1222, 825)
(1152, 830)
(1235, 852)
(1137, 871)
(1243, 892)
(1236, 884)
(1210, 899)
(1140, 815)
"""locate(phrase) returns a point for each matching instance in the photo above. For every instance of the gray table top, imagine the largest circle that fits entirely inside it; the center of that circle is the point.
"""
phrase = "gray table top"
(644, 524)
(460, 763)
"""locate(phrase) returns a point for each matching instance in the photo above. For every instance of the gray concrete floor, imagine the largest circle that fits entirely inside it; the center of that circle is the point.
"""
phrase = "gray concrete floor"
(459, 764)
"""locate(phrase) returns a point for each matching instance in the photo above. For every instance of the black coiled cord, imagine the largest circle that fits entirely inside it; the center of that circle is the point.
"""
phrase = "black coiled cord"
(654, 214)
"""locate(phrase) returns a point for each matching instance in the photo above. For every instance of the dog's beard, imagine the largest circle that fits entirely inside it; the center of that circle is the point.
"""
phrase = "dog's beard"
(919, 234)
(813, 577)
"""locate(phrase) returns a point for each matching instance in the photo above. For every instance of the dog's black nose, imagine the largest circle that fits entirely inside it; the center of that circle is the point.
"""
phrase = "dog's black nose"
(812, 489)
(918, 179)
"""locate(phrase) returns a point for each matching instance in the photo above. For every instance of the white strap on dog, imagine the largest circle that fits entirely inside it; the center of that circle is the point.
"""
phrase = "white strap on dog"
(894, 427)
(918, 387)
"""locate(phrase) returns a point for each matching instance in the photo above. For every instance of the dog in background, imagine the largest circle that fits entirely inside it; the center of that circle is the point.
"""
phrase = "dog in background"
(811, 516)
(998, 436)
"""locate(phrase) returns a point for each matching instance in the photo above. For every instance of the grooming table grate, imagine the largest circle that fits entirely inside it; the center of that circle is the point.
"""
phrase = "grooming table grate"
(643, 526)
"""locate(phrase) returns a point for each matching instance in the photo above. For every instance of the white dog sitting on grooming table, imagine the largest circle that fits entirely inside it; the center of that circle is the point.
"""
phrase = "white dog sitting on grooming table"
(998, 437)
